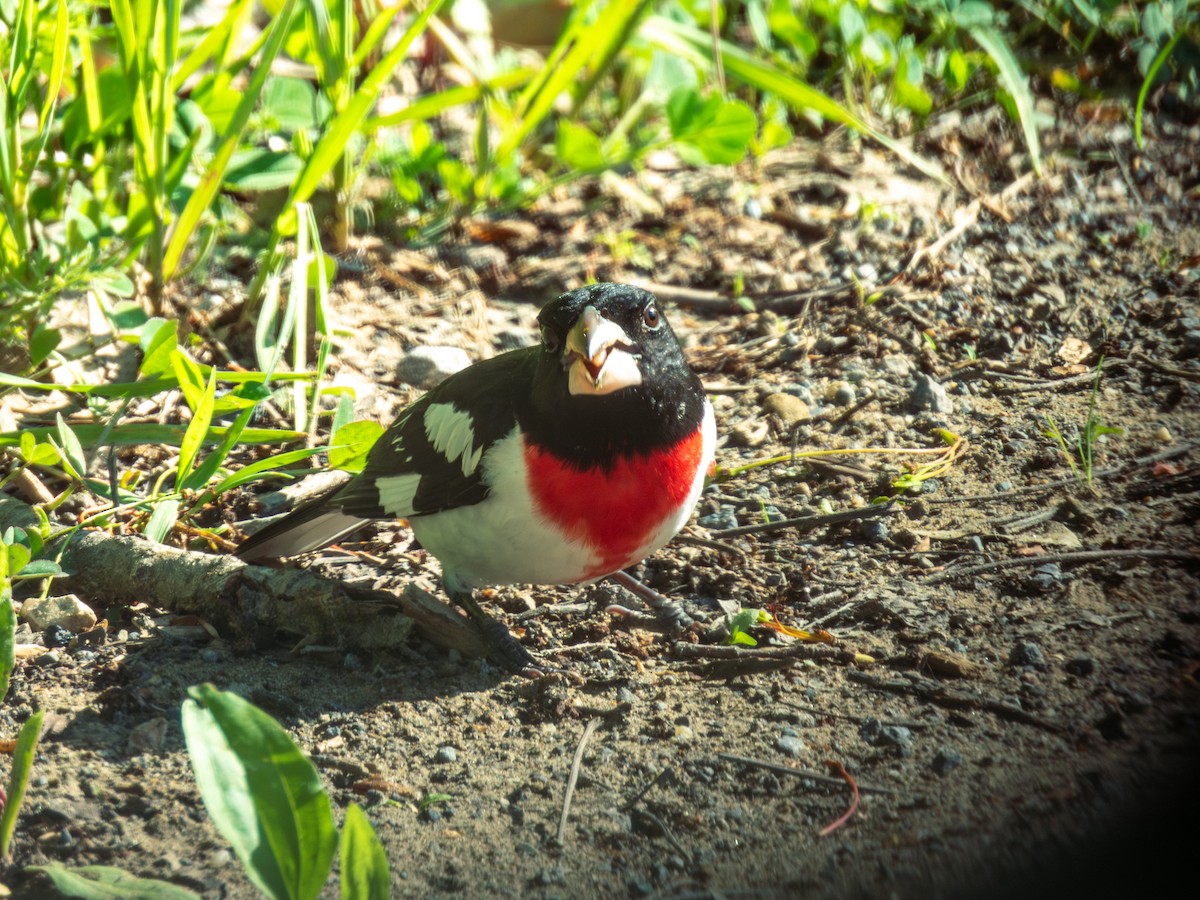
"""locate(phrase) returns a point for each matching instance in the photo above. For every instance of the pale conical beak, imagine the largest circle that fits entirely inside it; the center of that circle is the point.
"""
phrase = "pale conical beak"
(597, 356)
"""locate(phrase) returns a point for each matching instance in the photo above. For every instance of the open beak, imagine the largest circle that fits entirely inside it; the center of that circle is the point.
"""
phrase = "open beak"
(597, 356)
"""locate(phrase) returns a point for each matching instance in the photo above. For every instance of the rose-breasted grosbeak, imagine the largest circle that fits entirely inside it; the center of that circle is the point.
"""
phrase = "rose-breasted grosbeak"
(556, 464)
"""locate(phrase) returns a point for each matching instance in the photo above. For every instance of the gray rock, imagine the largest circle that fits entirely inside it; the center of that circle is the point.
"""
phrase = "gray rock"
(927, 394)
(446, 754)
(896, 737)
(1028, 653)
(427, 367)
(67, 611)
(790, 745)
(897, 364)
(946, 761)
(844, 395)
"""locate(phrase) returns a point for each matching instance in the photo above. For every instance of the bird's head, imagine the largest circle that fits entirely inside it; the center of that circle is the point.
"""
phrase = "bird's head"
(608, 338)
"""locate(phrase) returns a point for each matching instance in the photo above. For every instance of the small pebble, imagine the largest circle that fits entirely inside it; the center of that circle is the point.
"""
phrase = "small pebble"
(1080, 665)
(1163, 435)
(1028, 653)
(946, 761)
(446, 755)
(843, 396)
(790, 745)
(927, 394)
(896, 737)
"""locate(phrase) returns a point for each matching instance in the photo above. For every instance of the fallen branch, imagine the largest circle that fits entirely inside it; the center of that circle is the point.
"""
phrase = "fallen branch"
(248, 603)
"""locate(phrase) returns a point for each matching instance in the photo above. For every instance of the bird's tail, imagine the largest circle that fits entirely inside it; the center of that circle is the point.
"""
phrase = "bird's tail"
(310, 527)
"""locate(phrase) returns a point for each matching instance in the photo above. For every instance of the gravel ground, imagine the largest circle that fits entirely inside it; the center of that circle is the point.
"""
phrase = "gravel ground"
(1028, 723)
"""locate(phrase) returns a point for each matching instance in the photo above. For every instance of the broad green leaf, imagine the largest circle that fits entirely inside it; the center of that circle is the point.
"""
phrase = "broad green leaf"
(190, 377)
(18, 557)
(162, 520)
(695, 45)
(260, 169)
(355, 441)
(290, 102)
(196, 431)
(715, 130)
(28, 446)
(578, 147)
(263, 794)
(365, 874)
(1013, 80)
(39, 568)
(43, 342)
(158, 340)
(110, 883)
(18, 778)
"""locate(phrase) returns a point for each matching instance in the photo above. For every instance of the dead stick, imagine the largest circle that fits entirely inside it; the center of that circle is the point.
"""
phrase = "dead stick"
(588, 730)
(939, 696)
(781, 769)
(1077, 556)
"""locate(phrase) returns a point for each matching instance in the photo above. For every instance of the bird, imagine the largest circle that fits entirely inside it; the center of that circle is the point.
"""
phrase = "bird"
(560, 463)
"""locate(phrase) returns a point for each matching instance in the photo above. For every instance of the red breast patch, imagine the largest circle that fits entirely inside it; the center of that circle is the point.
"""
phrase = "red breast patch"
(614, 511)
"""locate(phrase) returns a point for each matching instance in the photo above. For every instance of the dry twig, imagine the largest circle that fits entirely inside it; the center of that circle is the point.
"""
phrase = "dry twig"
(588, 731)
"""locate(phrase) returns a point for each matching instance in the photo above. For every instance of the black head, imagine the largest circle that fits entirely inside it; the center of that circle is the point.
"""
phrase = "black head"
(611, 376)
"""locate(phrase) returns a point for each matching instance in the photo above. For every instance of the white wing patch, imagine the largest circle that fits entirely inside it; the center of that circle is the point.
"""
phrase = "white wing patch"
(396, 493)
(452, 434)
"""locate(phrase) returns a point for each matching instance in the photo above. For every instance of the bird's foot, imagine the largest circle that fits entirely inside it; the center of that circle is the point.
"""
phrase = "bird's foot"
(503, 647)
(667, 615)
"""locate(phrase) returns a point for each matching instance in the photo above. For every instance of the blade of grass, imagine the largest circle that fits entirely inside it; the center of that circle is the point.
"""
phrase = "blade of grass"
(196, 432)
(153, 433)
(1162, 56)
(695, 46)
(210, 182)
(1014, 81)
(18, 778)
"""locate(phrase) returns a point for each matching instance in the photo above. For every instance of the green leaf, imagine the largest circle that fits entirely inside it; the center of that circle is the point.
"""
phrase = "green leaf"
(578, 147)
(260, 169)
(719, 130)
(365, 874)
(1013, 80)
(8, 628)
(42, 343)
(110, 883)
(190, 377)
(263, 794)
(162, 520)
(38, 568)
(272, 465)
(70, 449)
(18, 778)
(18, 557)
(354, 442)
(158, 341)
(291, 102)
(28, 446)
(196, 431)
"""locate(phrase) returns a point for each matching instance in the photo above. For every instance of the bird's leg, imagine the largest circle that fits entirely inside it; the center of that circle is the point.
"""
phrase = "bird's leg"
(670, 616)
(503, 648)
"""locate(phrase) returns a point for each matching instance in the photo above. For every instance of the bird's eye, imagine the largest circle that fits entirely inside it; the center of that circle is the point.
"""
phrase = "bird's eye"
(549, 339)
(652, 317)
